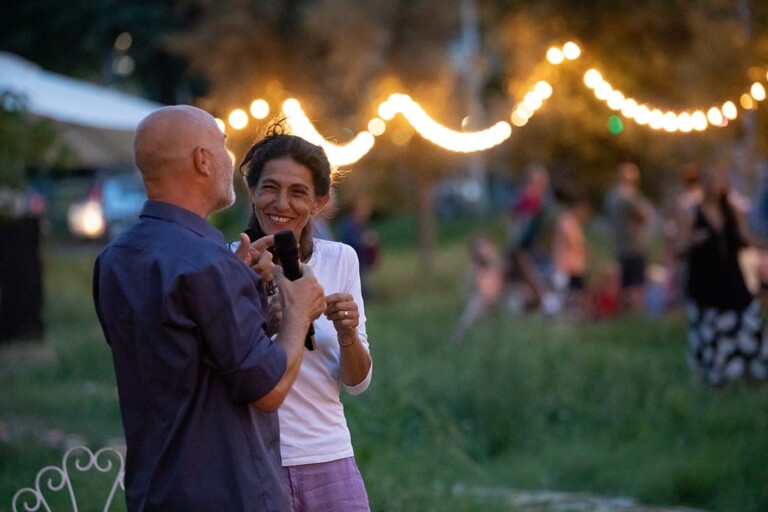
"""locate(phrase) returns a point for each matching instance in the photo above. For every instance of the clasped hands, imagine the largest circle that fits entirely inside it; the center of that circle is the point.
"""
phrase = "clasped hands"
(339, 308)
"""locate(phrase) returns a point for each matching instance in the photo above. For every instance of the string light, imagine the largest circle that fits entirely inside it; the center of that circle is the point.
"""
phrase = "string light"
(259, 109)
(729, 110)
(747, 102)
(555, 56)
(571, 50)
(462, 142)
(376, 126)
(238, 119)
(533, 100)
(715, 116)
(338, 155)
(758, 91)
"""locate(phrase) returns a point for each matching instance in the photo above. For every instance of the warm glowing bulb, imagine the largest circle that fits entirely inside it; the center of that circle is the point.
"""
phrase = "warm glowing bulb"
(532, 101)
(555, 56)
(603, 90)
(642, 115)
(758, 91)
(747, 102)
(387, 111)
(543, 89)
(524, 112)
(571, 50)
(592, 78)
(729, 110)
(656, 119)
(259, 109)
(629, 108)
(685, 122)
(714, 116)
(671, 122)
(291, 106)
(699, 119)
(376, 126)
(238, 119)
(518, 120)
(615, 100)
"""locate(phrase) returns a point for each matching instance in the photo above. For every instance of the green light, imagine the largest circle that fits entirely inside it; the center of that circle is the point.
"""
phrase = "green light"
(615, 125)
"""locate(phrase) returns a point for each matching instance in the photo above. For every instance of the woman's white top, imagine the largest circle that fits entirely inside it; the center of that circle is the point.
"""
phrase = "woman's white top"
(313, 428)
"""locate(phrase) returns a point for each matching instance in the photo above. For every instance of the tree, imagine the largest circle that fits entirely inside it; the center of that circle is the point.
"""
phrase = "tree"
(35, 143)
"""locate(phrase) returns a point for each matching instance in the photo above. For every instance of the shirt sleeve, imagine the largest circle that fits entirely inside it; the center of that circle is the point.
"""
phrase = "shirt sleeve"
(230, 315)
(353, 286)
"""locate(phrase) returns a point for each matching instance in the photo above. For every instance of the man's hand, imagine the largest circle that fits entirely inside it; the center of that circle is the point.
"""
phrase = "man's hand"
(300, 299)
(256, 255)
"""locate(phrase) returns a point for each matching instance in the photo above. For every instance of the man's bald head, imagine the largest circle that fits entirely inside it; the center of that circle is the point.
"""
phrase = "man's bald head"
(165, 140)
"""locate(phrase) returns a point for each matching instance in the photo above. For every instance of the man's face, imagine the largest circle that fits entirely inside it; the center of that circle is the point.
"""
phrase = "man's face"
(223, 191)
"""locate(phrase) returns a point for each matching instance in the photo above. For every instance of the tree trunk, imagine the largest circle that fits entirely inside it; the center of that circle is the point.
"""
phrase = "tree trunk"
(426, 222)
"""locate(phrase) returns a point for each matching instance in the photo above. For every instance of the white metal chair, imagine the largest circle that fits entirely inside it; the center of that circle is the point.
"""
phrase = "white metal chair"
(57, 479)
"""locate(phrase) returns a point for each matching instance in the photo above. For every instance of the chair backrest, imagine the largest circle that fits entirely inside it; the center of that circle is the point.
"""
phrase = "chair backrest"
(59, 479)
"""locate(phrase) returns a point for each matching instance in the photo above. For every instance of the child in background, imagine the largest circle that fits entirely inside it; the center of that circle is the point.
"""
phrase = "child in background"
(607, 292)
(487, 283)
(570, 255)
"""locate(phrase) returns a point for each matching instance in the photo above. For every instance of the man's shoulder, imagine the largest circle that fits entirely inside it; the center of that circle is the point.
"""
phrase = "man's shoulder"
(158, 239)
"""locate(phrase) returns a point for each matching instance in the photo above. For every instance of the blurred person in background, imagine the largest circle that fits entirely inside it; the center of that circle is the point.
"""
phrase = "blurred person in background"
(630, 215)
(486, 284)
(682, 206)
(529, 240)
(354, 232)
(570, 253)
(725, 338)
(321, 224)
(289, 180)
(606, 291)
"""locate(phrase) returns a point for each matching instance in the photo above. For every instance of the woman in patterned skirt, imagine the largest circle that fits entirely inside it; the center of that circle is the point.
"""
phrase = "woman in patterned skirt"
(725, 337)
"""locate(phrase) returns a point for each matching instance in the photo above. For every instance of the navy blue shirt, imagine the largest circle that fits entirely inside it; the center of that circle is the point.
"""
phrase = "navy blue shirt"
(185, 320)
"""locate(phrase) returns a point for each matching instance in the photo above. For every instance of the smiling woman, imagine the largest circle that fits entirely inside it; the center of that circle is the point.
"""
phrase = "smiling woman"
(289, 180)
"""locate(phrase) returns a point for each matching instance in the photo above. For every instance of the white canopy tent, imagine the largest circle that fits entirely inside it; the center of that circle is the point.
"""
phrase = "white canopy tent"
(96, 122)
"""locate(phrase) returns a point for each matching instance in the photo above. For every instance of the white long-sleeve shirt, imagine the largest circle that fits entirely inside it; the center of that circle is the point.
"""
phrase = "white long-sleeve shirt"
(313, 427)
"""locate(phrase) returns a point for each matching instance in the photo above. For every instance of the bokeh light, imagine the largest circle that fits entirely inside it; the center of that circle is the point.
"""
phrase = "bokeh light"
(238, 119)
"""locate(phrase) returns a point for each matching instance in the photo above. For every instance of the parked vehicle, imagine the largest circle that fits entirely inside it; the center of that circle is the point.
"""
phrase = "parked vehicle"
(112, 205)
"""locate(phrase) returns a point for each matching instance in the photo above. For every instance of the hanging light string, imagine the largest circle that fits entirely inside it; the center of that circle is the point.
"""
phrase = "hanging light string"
(467, 142)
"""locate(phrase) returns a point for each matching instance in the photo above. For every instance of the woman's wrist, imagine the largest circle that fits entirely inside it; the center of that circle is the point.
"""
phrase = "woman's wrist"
(347, 340)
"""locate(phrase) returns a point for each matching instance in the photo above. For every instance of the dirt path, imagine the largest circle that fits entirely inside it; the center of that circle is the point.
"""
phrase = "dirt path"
(553, 501)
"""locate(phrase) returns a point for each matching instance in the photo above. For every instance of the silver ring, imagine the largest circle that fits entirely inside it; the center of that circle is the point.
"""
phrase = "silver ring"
(346, 313)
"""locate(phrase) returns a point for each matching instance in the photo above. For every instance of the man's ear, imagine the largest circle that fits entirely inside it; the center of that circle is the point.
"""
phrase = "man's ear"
(320, 203)
(203, 160)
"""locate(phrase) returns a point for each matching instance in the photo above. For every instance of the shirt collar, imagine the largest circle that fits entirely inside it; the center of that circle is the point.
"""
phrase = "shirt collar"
(186, 218)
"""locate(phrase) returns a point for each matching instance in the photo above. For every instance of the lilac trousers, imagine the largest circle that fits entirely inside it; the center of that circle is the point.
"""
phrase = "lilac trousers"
(335, 486)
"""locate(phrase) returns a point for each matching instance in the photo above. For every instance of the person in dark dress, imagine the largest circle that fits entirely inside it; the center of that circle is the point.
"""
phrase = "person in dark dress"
(725, 337)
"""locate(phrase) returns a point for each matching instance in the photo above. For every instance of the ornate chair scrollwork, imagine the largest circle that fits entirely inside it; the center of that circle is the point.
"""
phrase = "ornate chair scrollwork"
(54, 479)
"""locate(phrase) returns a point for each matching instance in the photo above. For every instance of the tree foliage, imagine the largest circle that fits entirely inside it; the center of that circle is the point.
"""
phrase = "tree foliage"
(29, 143)
(343, 58)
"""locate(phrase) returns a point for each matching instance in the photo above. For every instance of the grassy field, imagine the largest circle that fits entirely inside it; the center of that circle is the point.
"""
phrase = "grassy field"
(526, 403)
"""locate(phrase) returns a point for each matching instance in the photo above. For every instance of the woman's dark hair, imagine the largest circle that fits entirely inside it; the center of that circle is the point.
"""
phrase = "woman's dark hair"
(276, 144)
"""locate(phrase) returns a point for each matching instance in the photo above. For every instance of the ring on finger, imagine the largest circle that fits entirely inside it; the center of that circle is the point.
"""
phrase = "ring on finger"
(346, 313)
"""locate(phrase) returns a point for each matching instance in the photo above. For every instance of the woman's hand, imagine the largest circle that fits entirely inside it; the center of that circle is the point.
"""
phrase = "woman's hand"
(342, 310)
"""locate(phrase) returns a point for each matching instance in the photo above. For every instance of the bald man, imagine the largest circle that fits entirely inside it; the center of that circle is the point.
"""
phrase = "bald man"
(185, 320)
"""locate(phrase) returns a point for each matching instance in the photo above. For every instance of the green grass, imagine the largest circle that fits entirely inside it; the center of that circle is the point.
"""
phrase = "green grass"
(527, 402)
